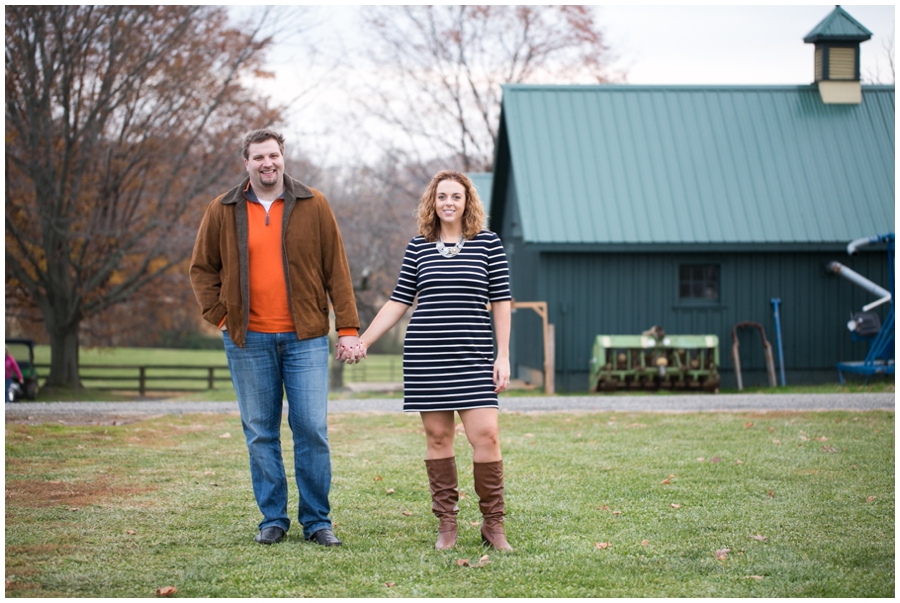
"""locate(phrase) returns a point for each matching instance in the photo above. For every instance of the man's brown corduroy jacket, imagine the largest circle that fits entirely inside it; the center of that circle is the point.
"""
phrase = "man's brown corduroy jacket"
(315, 265)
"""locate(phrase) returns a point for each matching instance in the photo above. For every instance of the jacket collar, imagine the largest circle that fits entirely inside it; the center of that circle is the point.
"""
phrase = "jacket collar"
(293, 189)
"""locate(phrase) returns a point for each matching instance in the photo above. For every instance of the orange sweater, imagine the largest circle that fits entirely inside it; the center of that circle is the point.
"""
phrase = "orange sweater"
(269, 310)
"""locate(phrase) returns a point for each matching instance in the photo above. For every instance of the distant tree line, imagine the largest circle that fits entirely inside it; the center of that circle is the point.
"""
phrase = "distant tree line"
(123, 122)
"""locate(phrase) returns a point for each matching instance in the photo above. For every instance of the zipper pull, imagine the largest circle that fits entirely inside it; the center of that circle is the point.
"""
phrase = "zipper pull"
(267, 217)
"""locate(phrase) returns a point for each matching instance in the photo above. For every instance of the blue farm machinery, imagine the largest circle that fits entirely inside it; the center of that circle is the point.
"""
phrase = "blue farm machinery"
(866, 325)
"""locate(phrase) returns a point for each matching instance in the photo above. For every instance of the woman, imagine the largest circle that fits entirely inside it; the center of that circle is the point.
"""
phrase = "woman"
(456, 268)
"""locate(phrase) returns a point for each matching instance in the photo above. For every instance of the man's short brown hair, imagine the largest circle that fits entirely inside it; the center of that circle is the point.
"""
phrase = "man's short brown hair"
(257, 136)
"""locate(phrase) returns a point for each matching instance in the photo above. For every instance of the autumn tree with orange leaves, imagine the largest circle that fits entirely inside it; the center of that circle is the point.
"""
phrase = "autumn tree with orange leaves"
(438, 71)
(121, 122)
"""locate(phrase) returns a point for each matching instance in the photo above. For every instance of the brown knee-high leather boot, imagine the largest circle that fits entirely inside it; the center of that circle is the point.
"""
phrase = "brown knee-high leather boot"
(489, 487)
(444, 496)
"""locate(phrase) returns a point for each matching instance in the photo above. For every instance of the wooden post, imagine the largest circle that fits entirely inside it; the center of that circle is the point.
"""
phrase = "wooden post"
(550, 362)
(549, 343)
(212, 378)
(142, 380)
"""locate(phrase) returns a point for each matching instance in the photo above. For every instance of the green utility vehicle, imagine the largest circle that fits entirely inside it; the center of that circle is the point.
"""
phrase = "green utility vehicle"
(23, 351)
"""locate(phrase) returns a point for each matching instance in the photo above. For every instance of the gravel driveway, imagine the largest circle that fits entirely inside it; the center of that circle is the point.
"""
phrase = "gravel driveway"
(113, 413)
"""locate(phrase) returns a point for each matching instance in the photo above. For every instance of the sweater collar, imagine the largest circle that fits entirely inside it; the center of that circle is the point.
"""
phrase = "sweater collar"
(293, 189)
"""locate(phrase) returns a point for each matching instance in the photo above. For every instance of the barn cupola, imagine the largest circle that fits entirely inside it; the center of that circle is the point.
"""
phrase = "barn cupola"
(837, 39)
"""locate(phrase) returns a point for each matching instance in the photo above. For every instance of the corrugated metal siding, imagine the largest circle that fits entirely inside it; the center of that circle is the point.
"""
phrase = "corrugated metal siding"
(601, 293)
(696, 165)
(526, 344)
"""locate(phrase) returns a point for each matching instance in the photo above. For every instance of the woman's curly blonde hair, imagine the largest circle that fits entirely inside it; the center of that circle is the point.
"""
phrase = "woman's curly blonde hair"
(474, 217)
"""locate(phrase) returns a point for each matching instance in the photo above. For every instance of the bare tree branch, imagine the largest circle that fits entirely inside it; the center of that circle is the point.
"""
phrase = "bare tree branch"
(119, 121)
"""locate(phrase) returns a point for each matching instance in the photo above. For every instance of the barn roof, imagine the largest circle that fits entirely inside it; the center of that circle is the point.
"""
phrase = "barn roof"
(628, 164)
(483, 182)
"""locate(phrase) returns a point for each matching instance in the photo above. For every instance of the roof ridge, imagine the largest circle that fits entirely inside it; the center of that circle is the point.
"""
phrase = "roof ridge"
(677, 87)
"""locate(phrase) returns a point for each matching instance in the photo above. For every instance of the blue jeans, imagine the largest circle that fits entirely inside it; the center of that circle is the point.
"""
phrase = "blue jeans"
(268, 365)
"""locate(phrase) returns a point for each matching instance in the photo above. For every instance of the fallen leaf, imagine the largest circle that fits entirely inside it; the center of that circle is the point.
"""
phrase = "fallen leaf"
(603, 508)
(776, 442)
(529, 435)
(771, 430)
(475, 523)
(668, 480)
(755, 577)
(601, 545)
(390, 584)
(224, 435)
(166, 591)
(617, 513)
(209, 473)
(377, 478)
(827, 448)
(700, 459)
(79, 447)
(482, 562)
(870, 499)
(759, 537)
(821, 439)
(722, 554)
(462, 562)
(645, 542)
(715, 459)
(390, 490)
(771, 493)
(675, 506)
(131, 532)
(407, 513)
(739, 462)
(462, 494)
(803, 438)
(74, 509)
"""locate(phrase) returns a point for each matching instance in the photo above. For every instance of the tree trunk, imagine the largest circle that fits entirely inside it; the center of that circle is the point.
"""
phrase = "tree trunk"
(336, 376)
(64, 356)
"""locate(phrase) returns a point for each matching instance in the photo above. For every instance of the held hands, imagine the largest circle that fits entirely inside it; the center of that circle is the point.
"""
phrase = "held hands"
(501, 374)
(350, 349)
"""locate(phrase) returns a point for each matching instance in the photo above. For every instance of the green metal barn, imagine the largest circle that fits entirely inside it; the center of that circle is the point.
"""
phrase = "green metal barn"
(691, 207)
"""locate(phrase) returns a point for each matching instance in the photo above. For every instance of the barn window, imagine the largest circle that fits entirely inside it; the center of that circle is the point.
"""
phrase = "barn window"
(698, 282)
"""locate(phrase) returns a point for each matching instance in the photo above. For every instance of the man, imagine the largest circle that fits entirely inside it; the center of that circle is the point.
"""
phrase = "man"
(268, 256)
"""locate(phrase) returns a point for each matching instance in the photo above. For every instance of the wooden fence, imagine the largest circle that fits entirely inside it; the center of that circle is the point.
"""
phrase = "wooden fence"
(189, 378)
(141, 377)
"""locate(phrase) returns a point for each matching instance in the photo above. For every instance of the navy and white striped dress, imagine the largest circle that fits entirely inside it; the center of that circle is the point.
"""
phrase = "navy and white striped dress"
(448, 353)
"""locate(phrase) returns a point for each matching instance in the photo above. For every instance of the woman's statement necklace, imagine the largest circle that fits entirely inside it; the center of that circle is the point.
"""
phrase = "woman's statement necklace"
(452, 251)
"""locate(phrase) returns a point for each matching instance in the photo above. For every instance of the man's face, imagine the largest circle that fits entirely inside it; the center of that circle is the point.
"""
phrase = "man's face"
(265, 165)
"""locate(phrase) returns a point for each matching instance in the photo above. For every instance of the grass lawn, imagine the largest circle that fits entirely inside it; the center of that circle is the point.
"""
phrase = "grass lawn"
(599, 505)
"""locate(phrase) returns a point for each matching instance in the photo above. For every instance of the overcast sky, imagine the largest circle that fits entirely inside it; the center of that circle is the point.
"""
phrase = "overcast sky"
(667, 44)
